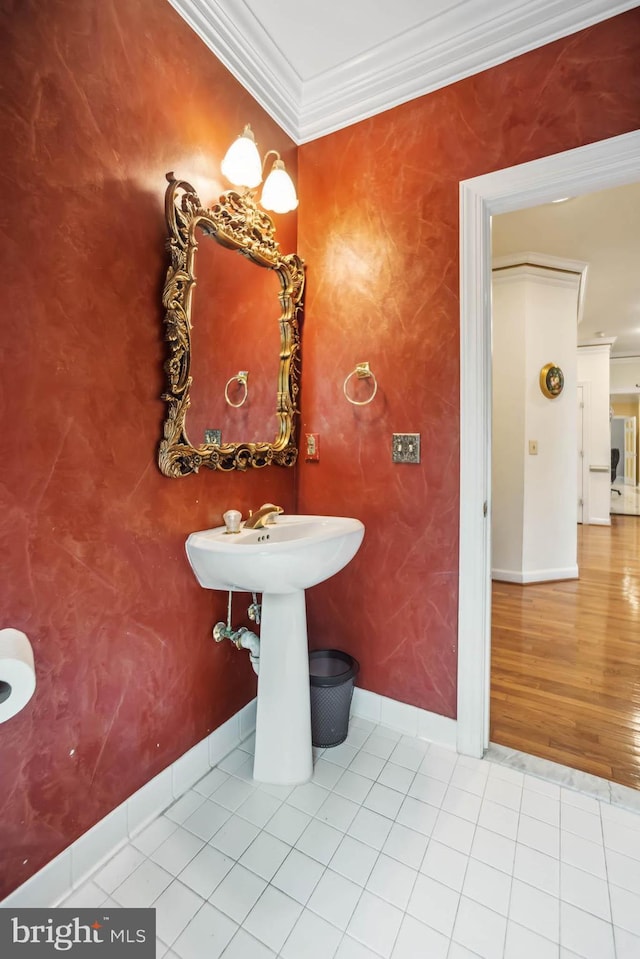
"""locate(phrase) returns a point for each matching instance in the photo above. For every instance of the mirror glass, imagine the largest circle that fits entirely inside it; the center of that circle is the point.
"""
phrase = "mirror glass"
(233, 306)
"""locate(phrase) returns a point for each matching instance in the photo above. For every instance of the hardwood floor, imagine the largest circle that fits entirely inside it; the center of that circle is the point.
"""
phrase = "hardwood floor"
(565, 670)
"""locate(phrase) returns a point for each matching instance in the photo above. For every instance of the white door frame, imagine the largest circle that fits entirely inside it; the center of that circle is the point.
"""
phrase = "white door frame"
(597, 166)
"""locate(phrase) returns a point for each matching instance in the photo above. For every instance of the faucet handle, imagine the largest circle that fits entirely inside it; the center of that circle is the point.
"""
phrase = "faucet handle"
(232, 519)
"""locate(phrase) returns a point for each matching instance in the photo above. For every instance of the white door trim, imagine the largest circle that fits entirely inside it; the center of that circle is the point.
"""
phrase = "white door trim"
(597, 166)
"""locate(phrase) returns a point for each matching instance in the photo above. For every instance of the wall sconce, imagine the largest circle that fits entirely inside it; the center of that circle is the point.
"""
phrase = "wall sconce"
(242, 167)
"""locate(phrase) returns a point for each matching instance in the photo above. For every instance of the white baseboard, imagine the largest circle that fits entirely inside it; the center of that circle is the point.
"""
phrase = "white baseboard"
(534, 575)
(401, 716)
(57, 880)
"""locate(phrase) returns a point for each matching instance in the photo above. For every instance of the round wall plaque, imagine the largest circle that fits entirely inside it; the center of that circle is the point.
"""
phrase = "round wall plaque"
(551, 380)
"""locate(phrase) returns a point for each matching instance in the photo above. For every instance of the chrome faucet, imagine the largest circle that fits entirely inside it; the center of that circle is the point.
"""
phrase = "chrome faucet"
(266, 514)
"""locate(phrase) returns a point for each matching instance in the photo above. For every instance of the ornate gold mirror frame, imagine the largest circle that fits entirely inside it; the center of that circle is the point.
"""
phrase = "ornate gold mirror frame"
(234, 222)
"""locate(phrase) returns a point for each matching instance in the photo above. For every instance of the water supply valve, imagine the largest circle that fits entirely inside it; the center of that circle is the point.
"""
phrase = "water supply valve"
(220, 632)
(254, 612)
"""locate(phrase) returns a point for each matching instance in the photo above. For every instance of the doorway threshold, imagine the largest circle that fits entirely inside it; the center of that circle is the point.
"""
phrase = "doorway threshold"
(565, 776)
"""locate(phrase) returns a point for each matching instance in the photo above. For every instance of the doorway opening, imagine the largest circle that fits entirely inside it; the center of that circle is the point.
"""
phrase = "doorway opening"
(609, 163)
(625, 492)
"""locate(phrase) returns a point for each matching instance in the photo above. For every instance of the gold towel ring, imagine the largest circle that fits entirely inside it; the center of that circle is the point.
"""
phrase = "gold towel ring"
(241, 378)
(363, 372)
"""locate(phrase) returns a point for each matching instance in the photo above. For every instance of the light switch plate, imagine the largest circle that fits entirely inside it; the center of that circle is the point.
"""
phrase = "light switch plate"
(405, 448)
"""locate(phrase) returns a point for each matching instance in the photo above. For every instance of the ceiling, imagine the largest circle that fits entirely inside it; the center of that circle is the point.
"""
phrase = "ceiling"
(317, 67)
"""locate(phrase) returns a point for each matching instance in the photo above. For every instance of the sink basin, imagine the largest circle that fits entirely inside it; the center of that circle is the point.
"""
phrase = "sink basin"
(279, 561)
(296, 552)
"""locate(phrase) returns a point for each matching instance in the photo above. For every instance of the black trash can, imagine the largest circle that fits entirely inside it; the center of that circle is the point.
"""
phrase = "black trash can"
(331, 674)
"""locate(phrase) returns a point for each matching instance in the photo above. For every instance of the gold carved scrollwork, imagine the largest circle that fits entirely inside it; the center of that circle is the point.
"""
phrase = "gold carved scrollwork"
(234, 222)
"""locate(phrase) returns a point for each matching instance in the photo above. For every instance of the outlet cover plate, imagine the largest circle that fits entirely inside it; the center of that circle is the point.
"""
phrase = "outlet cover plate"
(405, 448)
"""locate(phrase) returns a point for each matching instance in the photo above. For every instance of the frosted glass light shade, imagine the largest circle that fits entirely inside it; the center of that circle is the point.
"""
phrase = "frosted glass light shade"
(279, 193)
(241, 164)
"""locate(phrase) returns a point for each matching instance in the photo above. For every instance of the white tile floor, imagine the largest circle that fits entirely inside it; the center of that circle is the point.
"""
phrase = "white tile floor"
(398, 849)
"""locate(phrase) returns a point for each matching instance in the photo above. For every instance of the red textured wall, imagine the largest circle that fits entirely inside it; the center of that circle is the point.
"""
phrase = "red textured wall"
(100, 100)
(378, 226)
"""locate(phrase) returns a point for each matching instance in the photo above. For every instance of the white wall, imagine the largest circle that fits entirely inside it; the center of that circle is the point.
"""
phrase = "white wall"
(593, 368)
(534, 323)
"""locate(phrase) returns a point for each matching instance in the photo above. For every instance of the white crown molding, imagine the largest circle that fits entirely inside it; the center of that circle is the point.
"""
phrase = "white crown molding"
(537, 275)
(457, 43)
(248, 52)
(625, 359)
(543, 260)
(602, 345)
(559, 269)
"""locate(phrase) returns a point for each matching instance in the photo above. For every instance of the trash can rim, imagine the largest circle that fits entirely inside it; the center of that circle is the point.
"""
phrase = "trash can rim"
(352, 666)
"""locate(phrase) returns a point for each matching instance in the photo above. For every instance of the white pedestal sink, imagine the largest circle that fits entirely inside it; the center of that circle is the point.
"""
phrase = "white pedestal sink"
(279, 561)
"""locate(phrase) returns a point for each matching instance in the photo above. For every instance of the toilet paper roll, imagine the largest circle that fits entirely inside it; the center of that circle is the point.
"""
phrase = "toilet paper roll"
(17, 673)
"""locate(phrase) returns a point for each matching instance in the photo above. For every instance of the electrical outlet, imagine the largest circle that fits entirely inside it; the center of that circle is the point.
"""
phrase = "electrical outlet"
(405, 448)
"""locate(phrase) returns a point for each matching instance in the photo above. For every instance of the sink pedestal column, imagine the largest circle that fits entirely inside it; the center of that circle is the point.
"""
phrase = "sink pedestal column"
(283, 723)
